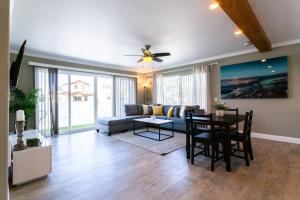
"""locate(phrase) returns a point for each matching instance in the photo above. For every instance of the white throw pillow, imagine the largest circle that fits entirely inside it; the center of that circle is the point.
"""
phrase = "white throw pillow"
(181, 113)
(145, 109)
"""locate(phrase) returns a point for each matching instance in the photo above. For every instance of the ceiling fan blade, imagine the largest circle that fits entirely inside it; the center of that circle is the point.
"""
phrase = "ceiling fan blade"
(157, 59)
(140, 60)
(134, 55)
(161, 54)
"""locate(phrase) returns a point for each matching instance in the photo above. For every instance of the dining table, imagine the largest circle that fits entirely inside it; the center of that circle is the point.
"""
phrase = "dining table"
(225, 121)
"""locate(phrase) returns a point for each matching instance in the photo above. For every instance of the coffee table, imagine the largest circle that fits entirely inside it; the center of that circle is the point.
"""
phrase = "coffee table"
(155, 123)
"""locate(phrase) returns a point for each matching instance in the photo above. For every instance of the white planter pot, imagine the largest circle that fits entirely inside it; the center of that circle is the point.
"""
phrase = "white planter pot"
(220, 113)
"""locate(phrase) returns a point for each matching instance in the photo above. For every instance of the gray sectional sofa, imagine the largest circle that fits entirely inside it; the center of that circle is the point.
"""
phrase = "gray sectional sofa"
(118, 124)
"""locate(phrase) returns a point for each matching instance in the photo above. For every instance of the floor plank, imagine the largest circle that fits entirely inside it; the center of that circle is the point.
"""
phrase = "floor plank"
(89, 165)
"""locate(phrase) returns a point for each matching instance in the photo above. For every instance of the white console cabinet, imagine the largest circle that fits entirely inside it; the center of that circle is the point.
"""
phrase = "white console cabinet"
(31, 163)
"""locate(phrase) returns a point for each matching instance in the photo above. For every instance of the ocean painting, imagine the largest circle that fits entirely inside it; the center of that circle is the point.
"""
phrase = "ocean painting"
(257, 79)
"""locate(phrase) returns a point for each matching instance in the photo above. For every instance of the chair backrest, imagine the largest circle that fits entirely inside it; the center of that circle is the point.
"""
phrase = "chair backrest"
(187, 119)
(250, 123)
(203, 120)
(236, 112)
(247, 125)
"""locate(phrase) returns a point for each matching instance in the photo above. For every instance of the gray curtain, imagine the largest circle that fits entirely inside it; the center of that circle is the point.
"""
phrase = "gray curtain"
(53, 87)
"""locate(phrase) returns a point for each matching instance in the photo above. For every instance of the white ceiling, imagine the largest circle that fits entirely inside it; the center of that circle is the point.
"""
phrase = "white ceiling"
(100, 32)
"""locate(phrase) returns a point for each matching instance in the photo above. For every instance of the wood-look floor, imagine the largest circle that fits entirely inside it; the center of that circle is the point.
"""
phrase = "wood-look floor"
(89, 165)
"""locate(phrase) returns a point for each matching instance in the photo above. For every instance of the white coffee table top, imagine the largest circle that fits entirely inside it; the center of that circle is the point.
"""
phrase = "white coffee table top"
(153, 121)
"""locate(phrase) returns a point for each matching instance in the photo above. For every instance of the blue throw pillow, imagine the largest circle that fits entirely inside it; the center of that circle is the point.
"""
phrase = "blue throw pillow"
(176, 111)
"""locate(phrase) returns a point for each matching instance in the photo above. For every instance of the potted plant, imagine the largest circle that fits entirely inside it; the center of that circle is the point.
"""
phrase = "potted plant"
(220, 108)
(20, 101)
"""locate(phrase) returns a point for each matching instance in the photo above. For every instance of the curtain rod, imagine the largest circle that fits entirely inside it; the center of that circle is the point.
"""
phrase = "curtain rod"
(31, 63)
(177, 70)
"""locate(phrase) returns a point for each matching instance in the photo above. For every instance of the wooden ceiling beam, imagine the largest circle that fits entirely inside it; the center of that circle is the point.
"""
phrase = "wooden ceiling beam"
(243, 16)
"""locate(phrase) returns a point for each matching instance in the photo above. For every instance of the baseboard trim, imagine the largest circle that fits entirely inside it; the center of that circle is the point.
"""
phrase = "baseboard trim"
(276, 138)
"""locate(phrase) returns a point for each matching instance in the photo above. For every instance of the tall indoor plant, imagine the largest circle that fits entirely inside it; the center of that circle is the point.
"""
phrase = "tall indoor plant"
(20, 101)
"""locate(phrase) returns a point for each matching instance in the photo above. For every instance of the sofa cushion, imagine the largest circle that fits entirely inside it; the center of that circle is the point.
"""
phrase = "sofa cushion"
(158, 110)
(132, 109)
(170, 112)
(140, 109)
(150, 109)
(176, 111)
(177, 120)
(145, 109)
(111, 120)
(182, 112)
(160, 117)
(166, 109)
(196, 109)
(132, 117)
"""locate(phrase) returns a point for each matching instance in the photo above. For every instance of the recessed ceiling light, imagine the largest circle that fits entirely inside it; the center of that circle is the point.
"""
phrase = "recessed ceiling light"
(269, 66)
(273, 71)
(238, 32)
(263, 60)
(213, 5)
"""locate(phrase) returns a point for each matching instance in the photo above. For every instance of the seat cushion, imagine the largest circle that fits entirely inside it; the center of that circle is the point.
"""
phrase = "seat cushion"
(176, 120)
(207, 136)
(160, 117)
(111, 120)
(132, 117)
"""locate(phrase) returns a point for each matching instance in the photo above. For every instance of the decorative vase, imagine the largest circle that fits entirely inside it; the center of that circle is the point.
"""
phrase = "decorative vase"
(220, 113)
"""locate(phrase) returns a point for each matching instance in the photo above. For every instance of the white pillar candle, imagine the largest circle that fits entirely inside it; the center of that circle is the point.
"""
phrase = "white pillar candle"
(20, 115)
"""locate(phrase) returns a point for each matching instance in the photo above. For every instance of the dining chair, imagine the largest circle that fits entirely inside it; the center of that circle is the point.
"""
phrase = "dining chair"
(200, 128)
(235, 127)
(211, 137)
(245, 138)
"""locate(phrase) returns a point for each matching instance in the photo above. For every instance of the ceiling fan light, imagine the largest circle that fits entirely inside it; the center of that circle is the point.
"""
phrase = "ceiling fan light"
(147, 59)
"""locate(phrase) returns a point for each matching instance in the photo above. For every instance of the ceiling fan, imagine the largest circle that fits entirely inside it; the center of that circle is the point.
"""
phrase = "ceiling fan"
(148, 56)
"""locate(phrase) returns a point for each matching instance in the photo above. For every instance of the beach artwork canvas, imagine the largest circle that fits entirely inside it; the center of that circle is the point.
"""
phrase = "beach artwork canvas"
(257, 79)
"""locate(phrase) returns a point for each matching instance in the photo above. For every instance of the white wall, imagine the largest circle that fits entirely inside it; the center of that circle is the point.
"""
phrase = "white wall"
(4, 88)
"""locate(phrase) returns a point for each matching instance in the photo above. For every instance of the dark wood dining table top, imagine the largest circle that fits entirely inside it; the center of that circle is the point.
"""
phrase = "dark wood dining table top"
(226, 120)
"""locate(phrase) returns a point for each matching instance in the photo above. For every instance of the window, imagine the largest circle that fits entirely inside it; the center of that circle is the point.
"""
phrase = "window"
(125, 93)
(105, 96)
(43, 106)
(177, 90)
(82, 98)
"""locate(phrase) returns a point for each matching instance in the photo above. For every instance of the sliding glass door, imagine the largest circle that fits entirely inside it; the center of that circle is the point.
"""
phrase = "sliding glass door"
(82, 101)
(105, 96)
(82, 98)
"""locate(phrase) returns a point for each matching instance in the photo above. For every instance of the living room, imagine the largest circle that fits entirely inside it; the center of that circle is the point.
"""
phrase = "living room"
(149, 99)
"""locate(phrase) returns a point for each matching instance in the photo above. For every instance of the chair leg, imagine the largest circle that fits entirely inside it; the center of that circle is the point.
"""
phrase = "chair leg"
(193, 151)
(238, 145)
(250, 149)
(212, 167)
(217, 150)
(246, 153)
